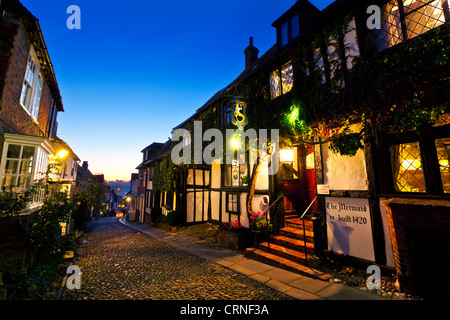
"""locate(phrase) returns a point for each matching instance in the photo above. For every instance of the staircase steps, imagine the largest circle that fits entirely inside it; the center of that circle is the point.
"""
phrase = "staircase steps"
(286, 264)
(287, 250)
(291, 243)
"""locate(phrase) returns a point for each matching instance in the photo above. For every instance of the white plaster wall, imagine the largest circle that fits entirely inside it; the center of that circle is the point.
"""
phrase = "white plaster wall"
(215, 175)
(190, 206)
(344, 172)
(243, 210)
(215, 205)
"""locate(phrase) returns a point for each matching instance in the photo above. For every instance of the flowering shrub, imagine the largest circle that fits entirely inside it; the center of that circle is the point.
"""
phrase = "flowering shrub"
(232, 225)
(260, 222)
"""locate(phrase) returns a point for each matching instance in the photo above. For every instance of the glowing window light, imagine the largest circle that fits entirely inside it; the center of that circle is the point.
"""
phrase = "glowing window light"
(413, 164)
(287, 155)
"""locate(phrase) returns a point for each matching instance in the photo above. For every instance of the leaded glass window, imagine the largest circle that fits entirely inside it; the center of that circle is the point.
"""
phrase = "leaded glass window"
(282, 80)
(443, 154)
(407, 171)
(418, 16)
(287, 77)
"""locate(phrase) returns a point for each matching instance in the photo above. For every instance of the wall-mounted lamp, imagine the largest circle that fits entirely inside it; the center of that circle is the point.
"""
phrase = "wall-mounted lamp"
(62, 154)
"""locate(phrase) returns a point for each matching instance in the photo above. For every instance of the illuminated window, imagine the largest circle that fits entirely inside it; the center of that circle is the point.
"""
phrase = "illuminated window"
(30, 97)
(310, 164)
(236, 175)
(407, 168)
(443, 155)
(443, 120)
(282, 80)
(406, 19)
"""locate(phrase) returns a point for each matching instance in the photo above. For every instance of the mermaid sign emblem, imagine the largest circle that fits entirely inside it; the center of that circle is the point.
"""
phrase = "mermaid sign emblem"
(239, 118)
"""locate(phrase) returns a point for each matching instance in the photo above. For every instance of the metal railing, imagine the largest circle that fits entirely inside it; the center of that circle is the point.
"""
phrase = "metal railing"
(304, 229)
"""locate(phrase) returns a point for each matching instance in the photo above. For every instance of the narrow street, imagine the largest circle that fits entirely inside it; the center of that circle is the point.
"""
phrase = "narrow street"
(119, 263)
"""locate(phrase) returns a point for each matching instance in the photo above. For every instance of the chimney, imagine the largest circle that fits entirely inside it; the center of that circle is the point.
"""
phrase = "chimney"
(251, 54)
(85, 165)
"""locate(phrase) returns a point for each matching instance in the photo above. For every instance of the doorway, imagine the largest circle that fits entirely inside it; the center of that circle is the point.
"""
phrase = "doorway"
(299, 182)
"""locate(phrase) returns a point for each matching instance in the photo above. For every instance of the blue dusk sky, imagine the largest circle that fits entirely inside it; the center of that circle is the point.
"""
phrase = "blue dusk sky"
(138, 68)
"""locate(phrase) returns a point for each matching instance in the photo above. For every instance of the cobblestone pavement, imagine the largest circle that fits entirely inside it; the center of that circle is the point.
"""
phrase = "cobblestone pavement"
(118, 263)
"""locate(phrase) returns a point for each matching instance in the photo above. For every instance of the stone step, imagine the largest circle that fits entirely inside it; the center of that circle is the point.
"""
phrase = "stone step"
(284, 263)
(297, 234)
(297, 223)
(294, 244)
(284, 252)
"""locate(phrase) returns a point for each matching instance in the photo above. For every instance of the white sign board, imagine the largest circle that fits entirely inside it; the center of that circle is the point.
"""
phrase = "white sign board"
(349, 227)
(323, 189)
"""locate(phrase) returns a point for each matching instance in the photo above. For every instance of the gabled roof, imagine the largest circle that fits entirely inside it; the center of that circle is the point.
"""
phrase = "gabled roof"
(153, 146)
(34, 32)
(164, 151)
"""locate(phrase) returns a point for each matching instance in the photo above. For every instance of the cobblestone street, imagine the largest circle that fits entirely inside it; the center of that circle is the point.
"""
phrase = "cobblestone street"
(119, 263)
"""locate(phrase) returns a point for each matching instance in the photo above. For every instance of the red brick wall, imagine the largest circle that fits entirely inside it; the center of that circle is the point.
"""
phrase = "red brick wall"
(14, 51)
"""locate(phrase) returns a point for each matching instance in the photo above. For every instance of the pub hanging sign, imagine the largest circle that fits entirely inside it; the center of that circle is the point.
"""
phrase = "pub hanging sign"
(239, 108)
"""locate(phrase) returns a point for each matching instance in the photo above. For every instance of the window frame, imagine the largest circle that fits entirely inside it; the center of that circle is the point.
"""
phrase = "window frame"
(30, 98)
(279, 73)
(402, 23)
(289, 29)
(224, 176)
(42, 152)
(429, 161)
(227, 202)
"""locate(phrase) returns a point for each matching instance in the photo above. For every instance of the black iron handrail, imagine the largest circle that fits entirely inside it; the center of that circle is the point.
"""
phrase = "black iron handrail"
(304, 229)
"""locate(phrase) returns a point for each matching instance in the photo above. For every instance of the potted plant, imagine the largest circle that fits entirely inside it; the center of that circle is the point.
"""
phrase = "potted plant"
(261, 227)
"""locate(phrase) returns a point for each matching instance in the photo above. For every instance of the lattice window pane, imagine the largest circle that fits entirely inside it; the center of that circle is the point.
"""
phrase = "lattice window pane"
(420, 19)
(443, 154)
(287, 77)
(310, 164)
(443, 120)
(391, 30)
(407, 169)
(275, 84)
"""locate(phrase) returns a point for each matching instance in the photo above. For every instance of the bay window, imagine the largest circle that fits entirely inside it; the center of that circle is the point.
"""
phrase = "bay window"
(24, 162)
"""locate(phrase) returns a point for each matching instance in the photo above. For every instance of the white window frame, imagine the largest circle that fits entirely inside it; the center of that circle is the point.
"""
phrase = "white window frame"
(42, 151)
(30, 97)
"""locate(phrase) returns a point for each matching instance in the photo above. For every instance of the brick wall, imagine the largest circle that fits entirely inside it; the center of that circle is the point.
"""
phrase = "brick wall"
(14, 51)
